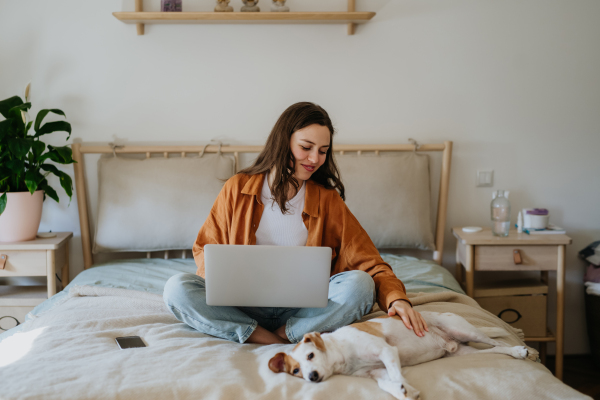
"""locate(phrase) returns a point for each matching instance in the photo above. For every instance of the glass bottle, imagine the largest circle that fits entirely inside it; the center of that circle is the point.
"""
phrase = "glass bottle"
(500, 208)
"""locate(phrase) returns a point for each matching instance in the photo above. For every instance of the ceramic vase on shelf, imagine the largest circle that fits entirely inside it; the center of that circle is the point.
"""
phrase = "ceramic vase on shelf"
(170, 5)
(21, 218)
(250, 6)
(279, 6)
(223, 6)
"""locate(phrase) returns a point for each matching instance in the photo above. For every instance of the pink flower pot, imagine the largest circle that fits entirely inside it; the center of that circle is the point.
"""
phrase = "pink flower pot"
(21, 218)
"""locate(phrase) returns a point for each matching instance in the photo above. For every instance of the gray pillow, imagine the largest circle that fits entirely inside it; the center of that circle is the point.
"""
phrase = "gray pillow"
(389, 194)
(156, 203)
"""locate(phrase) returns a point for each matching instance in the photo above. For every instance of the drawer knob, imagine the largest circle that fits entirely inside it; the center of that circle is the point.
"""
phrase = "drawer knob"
(3, 258)
(517, 257)
(517, 315)
(8, 316)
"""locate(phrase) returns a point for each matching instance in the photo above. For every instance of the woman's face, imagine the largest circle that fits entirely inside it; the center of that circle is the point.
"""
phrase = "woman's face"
(309, 146)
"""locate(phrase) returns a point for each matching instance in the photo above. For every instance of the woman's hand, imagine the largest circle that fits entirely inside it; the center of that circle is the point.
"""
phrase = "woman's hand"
(409, 316)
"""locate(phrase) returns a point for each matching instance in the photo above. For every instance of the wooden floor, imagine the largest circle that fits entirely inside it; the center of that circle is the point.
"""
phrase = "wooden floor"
(580, 373)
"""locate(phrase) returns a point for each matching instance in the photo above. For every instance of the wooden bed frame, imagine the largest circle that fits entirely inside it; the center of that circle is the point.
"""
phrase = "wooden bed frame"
(79, 149)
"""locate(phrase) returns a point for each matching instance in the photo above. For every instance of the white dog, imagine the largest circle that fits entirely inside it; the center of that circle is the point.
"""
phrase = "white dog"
(379, 347)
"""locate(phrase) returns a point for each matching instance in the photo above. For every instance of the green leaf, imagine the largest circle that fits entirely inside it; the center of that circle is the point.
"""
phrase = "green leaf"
(61, 155)
(33, 179)
(3, 200)
(8, 104)
(42, 114)
(17, 166)
(12, 127)
(19, 147)
(65, 180)
(58, 126)
(48, 190)
(5, 128)
(28, 127)
(16, 111)
(37, 148)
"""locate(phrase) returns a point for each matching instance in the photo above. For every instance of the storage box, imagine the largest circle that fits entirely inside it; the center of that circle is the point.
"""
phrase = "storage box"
(522, 304)
(18, 296)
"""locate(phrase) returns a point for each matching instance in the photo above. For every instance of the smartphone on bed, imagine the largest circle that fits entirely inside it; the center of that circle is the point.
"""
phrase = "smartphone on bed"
(127, 342)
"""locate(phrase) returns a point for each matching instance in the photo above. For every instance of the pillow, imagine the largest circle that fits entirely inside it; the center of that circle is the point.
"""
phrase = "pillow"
(389, 194)
(156, 203)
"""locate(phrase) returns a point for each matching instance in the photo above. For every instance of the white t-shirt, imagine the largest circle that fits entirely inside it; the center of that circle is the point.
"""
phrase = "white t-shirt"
(278, 229)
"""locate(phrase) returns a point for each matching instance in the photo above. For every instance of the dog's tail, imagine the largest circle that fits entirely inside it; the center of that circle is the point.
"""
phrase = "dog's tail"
(494, 332)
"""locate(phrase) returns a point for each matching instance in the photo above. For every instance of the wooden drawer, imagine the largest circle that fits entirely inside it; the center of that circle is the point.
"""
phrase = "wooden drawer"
(16, 301)
(12, 316)
(526, 312)
(500, 258)
(24, 263)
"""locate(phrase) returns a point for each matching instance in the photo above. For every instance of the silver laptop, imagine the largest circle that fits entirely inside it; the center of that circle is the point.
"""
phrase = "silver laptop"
(267, 276)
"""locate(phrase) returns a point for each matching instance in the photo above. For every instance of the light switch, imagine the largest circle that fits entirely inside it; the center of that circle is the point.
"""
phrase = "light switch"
(485, 178)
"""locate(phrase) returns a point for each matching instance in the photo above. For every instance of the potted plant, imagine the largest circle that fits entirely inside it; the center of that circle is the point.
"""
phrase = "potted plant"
(24, 167)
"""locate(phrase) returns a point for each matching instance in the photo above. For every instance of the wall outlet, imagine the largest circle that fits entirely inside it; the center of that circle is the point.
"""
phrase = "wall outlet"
(485, 179)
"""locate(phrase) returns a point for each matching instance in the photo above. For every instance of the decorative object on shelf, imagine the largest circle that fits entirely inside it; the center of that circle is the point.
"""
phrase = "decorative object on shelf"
(279, 6)
(500, 213)
(170, 5)
(250, 6)
(46, 235)
(24, 167)
(223, 6)
(535, 218)
(472, 229)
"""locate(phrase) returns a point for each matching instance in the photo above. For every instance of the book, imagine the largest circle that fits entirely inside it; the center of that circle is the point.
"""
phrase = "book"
(550, 230)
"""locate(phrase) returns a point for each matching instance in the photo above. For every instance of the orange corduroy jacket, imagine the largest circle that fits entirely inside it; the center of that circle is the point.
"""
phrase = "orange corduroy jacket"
(237, 211)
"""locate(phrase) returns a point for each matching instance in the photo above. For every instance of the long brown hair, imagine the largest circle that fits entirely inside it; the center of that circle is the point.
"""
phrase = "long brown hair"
(278, 154)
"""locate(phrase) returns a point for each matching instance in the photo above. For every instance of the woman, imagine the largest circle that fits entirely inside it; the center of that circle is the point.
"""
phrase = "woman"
(291, 196)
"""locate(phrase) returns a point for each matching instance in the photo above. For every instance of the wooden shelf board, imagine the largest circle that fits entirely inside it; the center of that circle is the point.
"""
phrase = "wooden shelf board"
(514, 238)
(38, 243)
(243, 17)
(548, 338)
(519, 287)
(22, 295)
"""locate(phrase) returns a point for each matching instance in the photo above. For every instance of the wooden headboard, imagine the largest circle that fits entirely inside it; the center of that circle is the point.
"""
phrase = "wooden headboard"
(79, 149)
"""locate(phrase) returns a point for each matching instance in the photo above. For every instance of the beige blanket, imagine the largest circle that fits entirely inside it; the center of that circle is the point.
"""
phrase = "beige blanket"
(69, 353)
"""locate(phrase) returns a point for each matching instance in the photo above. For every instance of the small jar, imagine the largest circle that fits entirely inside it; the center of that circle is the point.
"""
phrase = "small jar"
(170, 5)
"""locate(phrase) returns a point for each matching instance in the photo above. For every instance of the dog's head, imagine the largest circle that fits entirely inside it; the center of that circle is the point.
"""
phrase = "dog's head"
(308, 360)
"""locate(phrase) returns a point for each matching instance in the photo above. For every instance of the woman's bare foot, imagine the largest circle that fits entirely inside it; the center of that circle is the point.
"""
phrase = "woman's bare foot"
(281, 333)
(263, 336)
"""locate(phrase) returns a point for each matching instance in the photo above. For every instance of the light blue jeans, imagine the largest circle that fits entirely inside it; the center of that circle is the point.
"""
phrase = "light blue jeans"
(351, 295)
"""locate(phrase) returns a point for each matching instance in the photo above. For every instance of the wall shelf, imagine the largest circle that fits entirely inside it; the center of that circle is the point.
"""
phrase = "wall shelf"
(243, 17)
(140, 18)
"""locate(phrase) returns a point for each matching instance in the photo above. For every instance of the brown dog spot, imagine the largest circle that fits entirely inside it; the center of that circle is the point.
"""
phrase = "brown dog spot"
(291, 364)
(282, 362)
(316, 338)
(277, 363)
(372, 328)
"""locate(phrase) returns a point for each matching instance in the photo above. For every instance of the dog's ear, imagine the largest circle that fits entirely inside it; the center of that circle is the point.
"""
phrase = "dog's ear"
(277, 363)
(316, 338)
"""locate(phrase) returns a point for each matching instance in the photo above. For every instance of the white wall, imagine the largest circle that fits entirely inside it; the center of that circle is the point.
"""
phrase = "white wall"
(514, 84)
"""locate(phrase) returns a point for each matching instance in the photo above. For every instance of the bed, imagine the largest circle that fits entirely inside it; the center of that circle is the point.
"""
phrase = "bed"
(66, 349)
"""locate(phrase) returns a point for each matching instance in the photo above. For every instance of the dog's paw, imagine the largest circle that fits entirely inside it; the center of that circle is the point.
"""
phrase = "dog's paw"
(520, 352)
(408, 392)
(400, 390)
(533, 354)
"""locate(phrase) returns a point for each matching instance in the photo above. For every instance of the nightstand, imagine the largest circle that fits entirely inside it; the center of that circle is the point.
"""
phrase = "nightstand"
(482, 251)
(28, 275)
